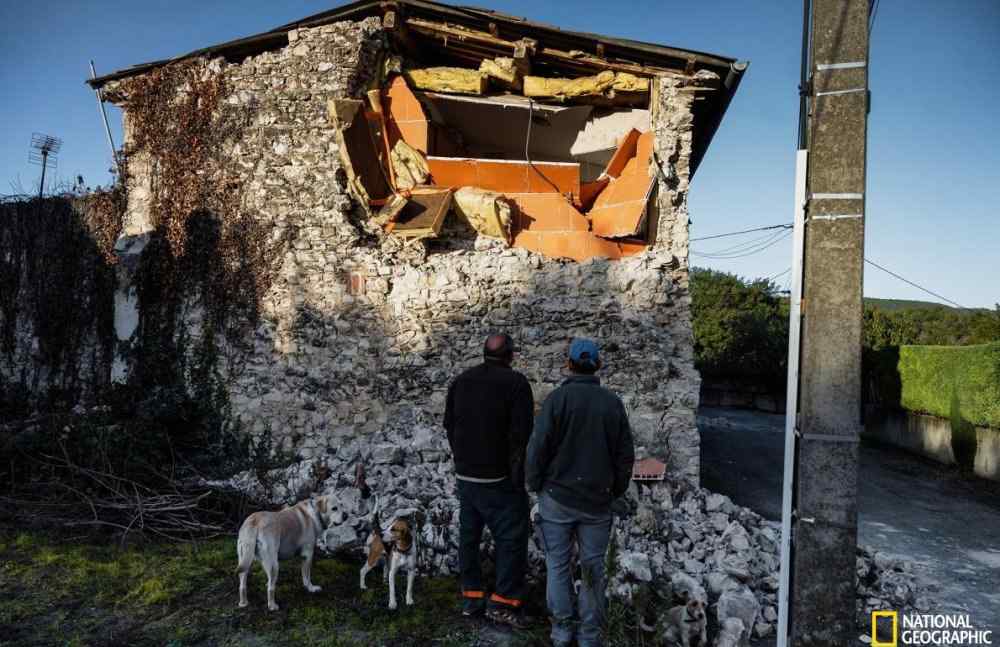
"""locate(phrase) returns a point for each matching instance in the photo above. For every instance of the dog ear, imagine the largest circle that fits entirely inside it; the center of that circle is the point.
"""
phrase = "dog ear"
(321, 505)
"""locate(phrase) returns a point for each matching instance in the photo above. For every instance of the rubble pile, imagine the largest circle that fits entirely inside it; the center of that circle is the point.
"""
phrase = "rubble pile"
(888, 582)
(677, 540)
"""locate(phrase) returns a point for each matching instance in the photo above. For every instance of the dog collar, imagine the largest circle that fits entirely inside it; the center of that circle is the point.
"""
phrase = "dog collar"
(688, 618)
(401, 551)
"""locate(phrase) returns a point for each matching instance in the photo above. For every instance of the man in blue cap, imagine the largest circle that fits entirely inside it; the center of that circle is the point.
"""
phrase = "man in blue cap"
(579, 461)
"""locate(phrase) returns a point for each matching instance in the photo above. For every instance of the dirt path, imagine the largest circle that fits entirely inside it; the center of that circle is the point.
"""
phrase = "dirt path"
(946, 523)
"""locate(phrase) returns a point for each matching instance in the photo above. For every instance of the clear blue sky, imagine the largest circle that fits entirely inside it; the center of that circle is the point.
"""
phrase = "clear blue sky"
(934, 165)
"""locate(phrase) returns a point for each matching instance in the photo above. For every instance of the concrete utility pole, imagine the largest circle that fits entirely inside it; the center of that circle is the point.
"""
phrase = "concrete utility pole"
(824, 526)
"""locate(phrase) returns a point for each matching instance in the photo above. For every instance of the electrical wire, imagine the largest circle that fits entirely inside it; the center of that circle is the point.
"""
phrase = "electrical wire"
(783, 272)
(744, 251)
(874, 12)
(909, 282)
(777, 238)
(757, 245)
(745, 231)
(740, 247)
(749, 248)
(527, 142)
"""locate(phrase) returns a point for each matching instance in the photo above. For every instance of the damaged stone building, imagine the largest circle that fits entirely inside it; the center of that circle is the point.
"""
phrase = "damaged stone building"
(437, 173)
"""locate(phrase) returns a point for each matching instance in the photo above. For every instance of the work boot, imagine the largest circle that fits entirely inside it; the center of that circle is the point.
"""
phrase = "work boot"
(473, 606)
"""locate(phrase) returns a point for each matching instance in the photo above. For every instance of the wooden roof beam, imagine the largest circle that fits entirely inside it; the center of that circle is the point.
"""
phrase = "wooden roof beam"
(577, 60)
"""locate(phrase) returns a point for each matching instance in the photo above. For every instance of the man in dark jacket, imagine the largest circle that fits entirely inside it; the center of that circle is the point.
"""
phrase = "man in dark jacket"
(488, 417)
(579, 460)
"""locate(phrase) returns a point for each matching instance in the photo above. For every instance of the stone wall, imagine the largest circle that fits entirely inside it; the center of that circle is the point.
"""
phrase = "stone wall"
(931, 436)
(56, 288)
(360, 327)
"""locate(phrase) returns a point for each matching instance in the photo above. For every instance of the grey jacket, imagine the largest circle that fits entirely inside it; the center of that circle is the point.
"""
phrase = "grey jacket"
(581, 449)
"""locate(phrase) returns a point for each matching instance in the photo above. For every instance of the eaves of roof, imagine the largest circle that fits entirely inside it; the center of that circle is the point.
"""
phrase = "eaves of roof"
(708, 112)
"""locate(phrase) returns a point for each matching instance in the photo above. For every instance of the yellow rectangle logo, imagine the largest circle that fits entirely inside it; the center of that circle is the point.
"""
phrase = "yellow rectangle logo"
(892, 615)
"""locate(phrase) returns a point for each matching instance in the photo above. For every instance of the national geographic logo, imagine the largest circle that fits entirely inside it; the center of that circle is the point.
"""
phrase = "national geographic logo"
(926, 629)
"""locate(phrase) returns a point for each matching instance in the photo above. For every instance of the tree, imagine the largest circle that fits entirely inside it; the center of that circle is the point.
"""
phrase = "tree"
(740, 327)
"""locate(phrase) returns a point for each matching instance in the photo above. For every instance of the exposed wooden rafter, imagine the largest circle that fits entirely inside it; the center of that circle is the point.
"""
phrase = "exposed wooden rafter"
(453, 36)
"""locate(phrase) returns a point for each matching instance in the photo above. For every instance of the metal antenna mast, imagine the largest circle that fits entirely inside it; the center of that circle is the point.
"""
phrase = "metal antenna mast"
(44, 152)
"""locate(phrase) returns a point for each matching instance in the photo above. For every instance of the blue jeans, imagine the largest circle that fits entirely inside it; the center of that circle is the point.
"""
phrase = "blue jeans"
(560, 526)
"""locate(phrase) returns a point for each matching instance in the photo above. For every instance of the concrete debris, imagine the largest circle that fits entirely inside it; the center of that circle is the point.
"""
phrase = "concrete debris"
(409, 166)
(730, 633)
(447, 79)
(692, 555)
(739, 603)
(488, 212)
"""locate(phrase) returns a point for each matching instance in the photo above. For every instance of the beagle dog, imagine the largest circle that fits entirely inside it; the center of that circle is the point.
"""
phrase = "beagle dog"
(396, 548)
(273, 536)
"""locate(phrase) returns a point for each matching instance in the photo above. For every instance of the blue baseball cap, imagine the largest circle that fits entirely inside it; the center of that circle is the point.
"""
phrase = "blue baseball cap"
(583, 352)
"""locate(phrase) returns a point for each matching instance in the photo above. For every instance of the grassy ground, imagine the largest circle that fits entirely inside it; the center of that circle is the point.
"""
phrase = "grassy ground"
(91, 592)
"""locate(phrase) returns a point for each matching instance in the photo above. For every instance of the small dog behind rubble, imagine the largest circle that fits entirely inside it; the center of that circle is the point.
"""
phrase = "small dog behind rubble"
(684, 622)
(688, 621)
(396, 549)
(273, 536)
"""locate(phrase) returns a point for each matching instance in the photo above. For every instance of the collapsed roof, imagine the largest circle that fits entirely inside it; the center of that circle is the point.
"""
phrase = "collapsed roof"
(564, 168)
(475, 33)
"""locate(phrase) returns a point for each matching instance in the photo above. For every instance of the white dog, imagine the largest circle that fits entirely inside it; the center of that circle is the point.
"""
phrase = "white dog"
(687, 622)
(397, 546)
(684, 622)
(272, 536)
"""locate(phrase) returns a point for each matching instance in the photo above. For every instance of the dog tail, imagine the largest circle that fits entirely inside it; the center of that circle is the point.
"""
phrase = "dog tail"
(246, 547)
(376, 525)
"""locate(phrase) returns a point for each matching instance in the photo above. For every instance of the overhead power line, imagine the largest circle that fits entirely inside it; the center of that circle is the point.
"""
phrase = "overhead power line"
(919, 287)
(781, 273)
(772, 240)
(759, 244)
(745, 231)
(747, 244)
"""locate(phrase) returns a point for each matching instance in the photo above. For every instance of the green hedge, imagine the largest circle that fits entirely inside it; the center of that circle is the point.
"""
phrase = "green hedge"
(960, 382)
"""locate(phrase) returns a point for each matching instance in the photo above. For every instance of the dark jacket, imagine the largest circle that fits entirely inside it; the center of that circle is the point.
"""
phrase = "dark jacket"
(581, 450)
(488, 417)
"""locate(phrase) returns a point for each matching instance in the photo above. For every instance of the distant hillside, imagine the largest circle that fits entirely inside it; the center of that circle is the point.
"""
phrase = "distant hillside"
(902, 304)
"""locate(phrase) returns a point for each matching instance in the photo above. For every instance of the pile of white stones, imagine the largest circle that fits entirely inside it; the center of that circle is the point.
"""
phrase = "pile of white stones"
(678, 540)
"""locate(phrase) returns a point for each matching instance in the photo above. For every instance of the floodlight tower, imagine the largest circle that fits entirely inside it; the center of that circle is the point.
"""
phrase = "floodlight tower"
(44, 152)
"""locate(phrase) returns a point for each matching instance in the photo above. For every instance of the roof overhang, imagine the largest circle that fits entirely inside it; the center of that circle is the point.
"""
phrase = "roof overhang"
(558, 50)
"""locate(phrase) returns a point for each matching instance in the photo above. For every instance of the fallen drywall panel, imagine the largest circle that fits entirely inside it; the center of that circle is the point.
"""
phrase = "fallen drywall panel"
(447, 79)
(620, 208)
(424, 213)
(488, 212)
(506, 176)
(360, 150)
(405, 117)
